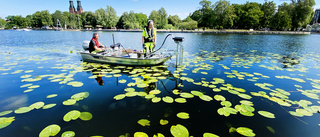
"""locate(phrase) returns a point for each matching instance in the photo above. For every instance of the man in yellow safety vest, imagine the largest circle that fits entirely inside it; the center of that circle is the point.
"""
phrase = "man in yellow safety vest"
(149, 38)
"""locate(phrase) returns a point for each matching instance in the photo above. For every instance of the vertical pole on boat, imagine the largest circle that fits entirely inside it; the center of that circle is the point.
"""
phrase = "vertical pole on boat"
(113, 39)
(179, 53)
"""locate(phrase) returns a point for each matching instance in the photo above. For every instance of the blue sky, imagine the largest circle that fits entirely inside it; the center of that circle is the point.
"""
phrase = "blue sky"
(182, 8)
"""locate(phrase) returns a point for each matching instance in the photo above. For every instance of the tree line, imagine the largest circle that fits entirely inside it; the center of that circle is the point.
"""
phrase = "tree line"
(220, 15)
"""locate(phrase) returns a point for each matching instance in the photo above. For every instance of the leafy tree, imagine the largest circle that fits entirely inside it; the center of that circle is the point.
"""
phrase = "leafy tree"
(205, 15)
(249, 15)
(16, 21)
(189, 24)
(155, 16)
(128, 21)
(281, 21)
(89, 18)
(174, 20)
(142, 19)
(224, 13)
(111, 18)
(2, 23)
(302, 13)
(269, 9)
(101, 17)
(163, 18)
(42, 18)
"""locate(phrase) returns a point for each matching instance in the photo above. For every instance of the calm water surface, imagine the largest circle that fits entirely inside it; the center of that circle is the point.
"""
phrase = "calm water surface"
(289, 64)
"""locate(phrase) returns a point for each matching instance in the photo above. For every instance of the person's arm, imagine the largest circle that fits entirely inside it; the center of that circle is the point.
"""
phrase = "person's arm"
(102, 45)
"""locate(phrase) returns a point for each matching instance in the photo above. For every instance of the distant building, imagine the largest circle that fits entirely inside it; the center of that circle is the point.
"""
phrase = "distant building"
(73, 10)
(316, 16)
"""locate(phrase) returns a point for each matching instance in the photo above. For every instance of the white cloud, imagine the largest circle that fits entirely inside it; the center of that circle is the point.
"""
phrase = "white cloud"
(317, 6)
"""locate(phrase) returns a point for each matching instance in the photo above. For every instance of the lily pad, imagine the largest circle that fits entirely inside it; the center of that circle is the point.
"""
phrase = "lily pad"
(186, 95)
(22, 110)
(72, 115)
(226, 103)
(245, 131)
(158, 135)
(155, 92)
(75, 84)
(156, 99)
(167, 99)
(183, 115)
(140, 134)
(197, 93)
(52, 95)
(68, 134)
(119, 97)
(50, 130)
(144, 122)
(219, 98)
(179, 131)
(180, 100)
(3, 113)
(122, 81)
(266, 114)
(85, 116)
(69, 102)
(210, 135)
(206, 98)
(37, 105)
(164, 122)
(48, 106)
(5, 121)
(25, 85)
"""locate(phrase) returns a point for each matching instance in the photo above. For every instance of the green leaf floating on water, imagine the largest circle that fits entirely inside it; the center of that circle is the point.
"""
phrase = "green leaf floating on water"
(158, 135)
(180, 100)
(183, 115)
(85, 116)
(72, 115)
(5, 121)
(196, 93)
(25, 85)
(69, 102)
(34, 86)
(144, 122)
(80, 96)
(75, 84)
(122, 81)
(68, 134)
(50, 130)
(22, 110)
(266, 114)
(246, 131)
(48, 106)
(140, 134)
(209, 135)
(226, 103)
(37, 105)
(179, 131)
(164, 122)
(3, 113)
(156, 99)
(155, 92)
(219, 98)
(119, 97)
(52, 95)
(206, 98)
(186, 95)
(167, 99)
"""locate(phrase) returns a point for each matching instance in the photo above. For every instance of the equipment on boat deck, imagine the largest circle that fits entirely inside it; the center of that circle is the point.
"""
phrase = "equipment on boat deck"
(117, 54)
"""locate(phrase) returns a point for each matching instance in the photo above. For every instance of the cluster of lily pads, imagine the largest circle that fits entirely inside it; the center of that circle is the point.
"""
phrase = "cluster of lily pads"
(199, 65)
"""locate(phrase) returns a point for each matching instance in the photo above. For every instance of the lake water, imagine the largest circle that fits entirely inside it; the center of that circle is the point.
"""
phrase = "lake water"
(276, 73)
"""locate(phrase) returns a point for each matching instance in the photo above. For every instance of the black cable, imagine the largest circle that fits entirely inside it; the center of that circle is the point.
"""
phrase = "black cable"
(162, 43)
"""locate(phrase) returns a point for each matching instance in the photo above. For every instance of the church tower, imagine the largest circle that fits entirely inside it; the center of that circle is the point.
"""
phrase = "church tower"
(71, 8)
(79, 8)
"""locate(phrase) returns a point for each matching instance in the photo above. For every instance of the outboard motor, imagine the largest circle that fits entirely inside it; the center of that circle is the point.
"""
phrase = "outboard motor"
(85, 45)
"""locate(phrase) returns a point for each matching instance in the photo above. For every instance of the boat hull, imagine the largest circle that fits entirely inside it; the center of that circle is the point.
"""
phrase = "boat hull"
(88, 57)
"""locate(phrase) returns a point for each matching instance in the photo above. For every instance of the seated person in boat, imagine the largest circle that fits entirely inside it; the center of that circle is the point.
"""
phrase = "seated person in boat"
(149, 38)
(94, 45)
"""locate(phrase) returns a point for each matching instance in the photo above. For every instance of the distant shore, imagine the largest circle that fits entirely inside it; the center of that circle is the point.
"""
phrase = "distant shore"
(207, 31)
(195, 31)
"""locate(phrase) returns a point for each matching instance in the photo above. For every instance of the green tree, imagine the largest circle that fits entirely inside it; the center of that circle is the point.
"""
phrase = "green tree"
(268, 8)
(142, 19)
(248, 15)
(188, 24)
(2, 23)
(205, 15)
(302, 13)
(111, 18)
(101, 17)
(155, 16)
(163, 18)
(16, 21)
(174, 20)
(224, 13)
(281, 21)
(42, 18)
(128, 21)
(90, 19)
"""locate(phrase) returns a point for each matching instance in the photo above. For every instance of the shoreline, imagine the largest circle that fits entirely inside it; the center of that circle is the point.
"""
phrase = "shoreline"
(208, 31)
(196, 31)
